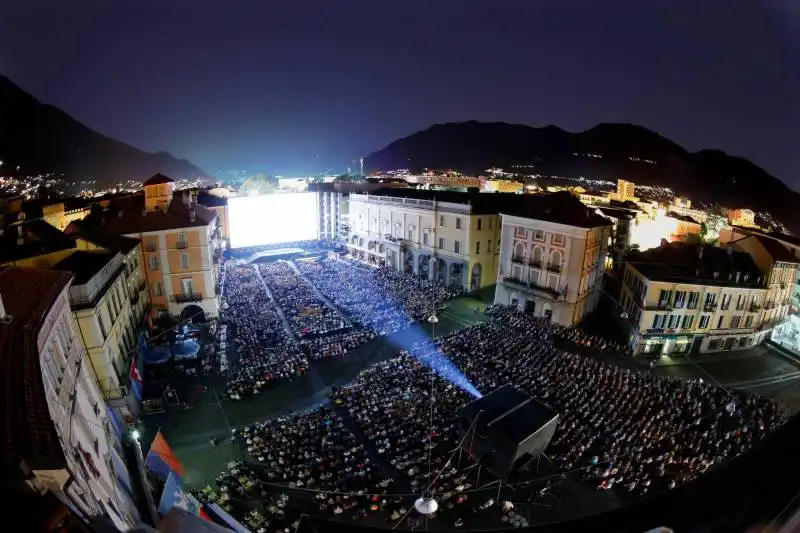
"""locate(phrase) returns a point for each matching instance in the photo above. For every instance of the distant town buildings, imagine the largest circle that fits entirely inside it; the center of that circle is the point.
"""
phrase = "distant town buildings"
(744, 218)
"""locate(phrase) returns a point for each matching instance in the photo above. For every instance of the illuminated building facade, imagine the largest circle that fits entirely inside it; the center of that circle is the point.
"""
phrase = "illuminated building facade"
(182, 243)
(57, 429)
(449, 236)
(552, 257)
(745, 218)
(681, 298)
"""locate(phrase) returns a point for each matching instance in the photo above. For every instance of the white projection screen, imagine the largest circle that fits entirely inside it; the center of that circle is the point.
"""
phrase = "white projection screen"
(272, 219)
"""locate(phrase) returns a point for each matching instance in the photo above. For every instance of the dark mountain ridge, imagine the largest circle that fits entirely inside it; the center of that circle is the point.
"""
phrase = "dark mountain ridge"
(626, 151)
(40, 138)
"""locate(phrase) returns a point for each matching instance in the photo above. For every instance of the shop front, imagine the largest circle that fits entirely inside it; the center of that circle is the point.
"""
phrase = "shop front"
(786, 334)
(654, 343)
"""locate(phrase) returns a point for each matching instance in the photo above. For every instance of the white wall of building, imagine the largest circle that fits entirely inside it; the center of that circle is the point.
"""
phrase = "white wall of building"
(551, 269)
(79, 413)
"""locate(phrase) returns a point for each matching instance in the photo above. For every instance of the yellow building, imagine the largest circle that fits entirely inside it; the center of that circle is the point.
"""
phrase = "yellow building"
(182, 246)
(450, 236)
(744, 218)
(680, 298)
(60, 214)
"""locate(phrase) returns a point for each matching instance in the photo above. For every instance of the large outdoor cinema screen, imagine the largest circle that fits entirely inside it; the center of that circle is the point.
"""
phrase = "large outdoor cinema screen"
(272, 219)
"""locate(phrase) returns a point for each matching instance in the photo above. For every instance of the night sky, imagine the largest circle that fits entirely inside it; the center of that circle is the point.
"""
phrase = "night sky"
(297, 86)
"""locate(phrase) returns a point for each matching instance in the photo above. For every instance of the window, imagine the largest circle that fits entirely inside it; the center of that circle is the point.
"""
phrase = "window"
(680, 299)
(558, 240)
(726, 302)
(704, 321)
(477, 248)
(424, 238)
(187, 286)
(719, 322)
(664, 298)
(457, 247)
(673, 321)
(158, 289)
(688, 321)
(182, 239)
(441, 242)
(479, 224)
(458, 222)
(184, 261)
(735, 321)
(748, 322)
(538, 235)
(411, 235)
(153, 262)
(441, 221)
(740, 301)
(711, 298)
(694, 297)
(658, 321)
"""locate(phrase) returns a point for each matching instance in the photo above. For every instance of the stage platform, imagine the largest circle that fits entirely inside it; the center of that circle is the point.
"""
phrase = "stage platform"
(276, 254)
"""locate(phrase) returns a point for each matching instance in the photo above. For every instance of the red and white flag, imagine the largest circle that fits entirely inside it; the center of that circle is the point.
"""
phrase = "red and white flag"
(135, 375)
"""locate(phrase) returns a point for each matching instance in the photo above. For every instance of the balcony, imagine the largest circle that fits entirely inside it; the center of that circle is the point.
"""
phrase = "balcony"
(754, 308)
(518, 259)
(188, 298)
(554, 268)
(710, 307)
(535, 264)
(661, 306)
(535, 288)
(769, 305)
(181, 245)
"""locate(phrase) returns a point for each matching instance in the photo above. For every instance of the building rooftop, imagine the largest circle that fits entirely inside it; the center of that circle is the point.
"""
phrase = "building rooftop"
(38, 238)
(616, 212)
(684, 263)
(778, 251)
(158, 179)
(27, 429)
(120, 243)
(561, 207)
(84, 265)
(127, 216)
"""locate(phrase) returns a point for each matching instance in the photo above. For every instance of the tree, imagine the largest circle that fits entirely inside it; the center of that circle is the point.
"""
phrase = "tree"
(258, 184)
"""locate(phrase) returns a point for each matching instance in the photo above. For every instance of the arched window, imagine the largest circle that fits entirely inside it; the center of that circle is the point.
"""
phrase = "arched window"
(555, 261)
(519, 251)
(538, 253)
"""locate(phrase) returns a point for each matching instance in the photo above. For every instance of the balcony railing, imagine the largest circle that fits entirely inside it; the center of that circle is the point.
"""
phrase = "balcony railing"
(188, 297)
(555, 268)
(754, 308)
(661, 306)
(181, 245)
(534, 287)
(535, 263)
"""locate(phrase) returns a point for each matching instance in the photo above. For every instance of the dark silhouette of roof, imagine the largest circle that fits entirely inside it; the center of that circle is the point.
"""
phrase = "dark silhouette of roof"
(38, 238)
(775, 249)
(702, 265)
(210, 200)
(126, 216)
(84, 265)
(120, 243)
(28, 431)
(158, 179)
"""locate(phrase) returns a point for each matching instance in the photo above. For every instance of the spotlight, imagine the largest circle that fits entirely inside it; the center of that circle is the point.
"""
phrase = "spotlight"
(135, 434)
(433, 319)
(426, 505)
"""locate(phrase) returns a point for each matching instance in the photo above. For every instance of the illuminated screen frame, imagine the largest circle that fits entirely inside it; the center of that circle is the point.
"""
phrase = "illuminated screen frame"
(250, 219)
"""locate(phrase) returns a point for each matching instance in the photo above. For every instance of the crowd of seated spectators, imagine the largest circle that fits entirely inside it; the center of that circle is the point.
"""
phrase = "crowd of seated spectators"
(622, 430)
(265, 351)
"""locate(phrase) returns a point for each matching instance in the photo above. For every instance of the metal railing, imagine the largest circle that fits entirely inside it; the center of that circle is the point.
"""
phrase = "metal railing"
(534, 287)
(710, 307)
(188, 297)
